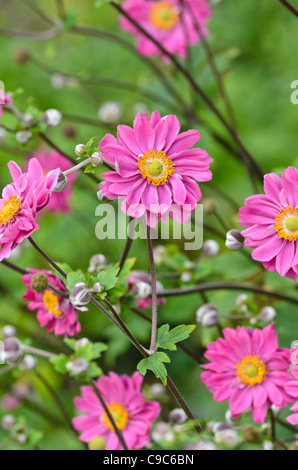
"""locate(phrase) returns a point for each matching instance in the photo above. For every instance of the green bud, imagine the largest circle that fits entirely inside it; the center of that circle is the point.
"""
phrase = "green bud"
(39, 282)
(251, 434)
(99, 443)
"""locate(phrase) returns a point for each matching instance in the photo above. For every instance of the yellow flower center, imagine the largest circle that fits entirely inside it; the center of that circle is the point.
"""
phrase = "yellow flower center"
(9, 210)
(251, 370)
(120, 416)
(286, 224)
(164, 15)
(51, 302)
(155, 167)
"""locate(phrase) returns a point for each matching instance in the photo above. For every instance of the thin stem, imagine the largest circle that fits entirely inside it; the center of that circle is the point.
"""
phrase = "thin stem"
(40, 36)
(290, 7)
(38, 352)
(14, 267)
(77, 167)
(49, 260)
(154, 292)
(7, 369)
(109, 414)
(127, 248)
(272, 425)
(172, 387)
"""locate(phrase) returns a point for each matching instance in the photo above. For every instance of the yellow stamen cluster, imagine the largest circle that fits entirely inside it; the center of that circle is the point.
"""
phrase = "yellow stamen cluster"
(164, 15)
(120, 415)
(51, 302)
(9, 210)
(286, 224)
(155, 167)
(251, 370)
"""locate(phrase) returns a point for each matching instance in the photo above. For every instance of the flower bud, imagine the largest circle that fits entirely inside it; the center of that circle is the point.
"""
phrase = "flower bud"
(81, 342)
(163, 432)
(21, 55)
(100, 194)
(228, 437)
(78, 366)
(207, 315)
(220, 426)
(234, 240)
(267, 314)
(28, 363)
(210, 248)
(202, 445)
(9, 331)
(99, 443)
(209, 206)
(97, 263)
(159, 253)
(110, 112)
(241, 299)
(188, 265)
(186, 277)
(80, 150)
(178, 416)
(58, 81)
(251, 434)
(12, 350)
(275, 410)
(141, 290)
(23, 136)
(52, 117)
(62, 183)
(8, 422)
(96, 159)
(98, 287)
(229, 418)
(157, 390)
(39, 282)
(79, 295)
(21, 438)
(268, 445)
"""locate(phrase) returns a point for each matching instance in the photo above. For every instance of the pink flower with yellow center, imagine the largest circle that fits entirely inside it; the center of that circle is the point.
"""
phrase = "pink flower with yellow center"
(50, 160)
(132, 414)
(248, 369)
(156, 170)
(53, 306)
(174, 24)
(21, 200)
(271, 222)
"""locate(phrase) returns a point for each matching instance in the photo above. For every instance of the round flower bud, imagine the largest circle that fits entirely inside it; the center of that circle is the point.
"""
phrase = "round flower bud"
(268, 445)
(9, 331)
(81, 342)
(178, 416)
(96, 158)
(80, 150)
(98, 287)
(79, 295)
(210, 248)
(220, 426)
(229, 418)
(62, 183)
(227, 437)
(186, 277)
(275, 410)
(52, 117)
(78, 366)
(234, 240)
(157, 390)
(12, 350)
(251, 434)
(188, 264)
(8, 422)
(159, 253)
(58, 81)
(39, 282)
(100, 194)
(21, 55)
(207, 315)
(267, 314)
(23, 136)
(99, 443)
(141, 290)
(21, 438)
(209, 206)
(96, 263)
(110, 112)
(28, 363)
(163, 432)
(28, 119)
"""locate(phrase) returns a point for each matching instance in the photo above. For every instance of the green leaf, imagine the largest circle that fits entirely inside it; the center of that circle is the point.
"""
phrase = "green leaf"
(155, 363)
(70, 342)
(167, 338)
(74, 278)
(59, 362)
(92, 372)
(108, 277)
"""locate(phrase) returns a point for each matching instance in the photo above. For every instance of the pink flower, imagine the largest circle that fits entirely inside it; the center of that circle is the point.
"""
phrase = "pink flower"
(53, 309)
(132, 414)
(175, 25)
(50, 160)
(20, 202)
(4, 101)
(142, 276)
(156, 169)
(271, 222)
(291, 388)
(248, 369)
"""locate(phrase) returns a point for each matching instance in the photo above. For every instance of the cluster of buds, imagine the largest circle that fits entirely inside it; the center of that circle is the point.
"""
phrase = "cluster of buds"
(207, 315)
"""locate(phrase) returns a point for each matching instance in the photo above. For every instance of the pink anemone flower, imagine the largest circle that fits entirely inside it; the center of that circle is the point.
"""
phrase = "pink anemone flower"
(50, 160)
(132, 414)
(291, 388)
(271, 222)
(248, 369)
(53, 309)
(156, 171)
(21, 200)
(174, 24)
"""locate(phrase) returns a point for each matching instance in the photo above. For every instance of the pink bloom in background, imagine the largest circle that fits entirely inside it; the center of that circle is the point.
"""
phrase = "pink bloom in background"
(53, 309)
(155, 168)
(50, 160)
(271, 222)
(248, 369)
(291, 388)
(21, 200)
(175, 25)
(142, 276)
(4, 101)
(126, 402)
